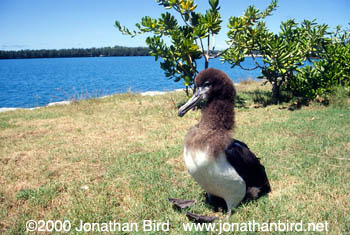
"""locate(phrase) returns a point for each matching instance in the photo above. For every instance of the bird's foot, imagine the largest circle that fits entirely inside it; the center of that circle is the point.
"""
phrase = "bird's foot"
(181, 204)
(200, 218)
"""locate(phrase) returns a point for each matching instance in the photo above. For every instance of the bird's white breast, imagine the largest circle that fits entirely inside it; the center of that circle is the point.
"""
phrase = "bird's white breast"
(215, 175)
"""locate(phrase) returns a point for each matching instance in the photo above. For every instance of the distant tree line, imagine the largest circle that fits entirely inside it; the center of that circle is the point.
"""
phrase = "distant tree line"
(76, 52)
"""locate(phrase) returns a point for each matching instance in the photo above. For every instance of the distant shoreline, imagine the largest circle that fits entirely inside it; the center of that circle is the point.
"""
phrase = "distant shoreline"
(246, 56)
(75, 52)
(116, 51)
(73, 57)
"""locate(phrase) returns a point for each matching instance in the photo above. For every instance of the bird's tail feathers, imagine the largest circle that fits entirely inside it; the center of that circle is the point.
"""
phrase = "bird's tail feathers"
(254, 193)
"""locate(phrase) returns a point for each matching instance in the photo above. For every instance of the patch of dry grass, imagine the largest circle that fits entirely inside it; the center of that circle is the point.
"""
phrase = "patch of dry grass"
(120, 158)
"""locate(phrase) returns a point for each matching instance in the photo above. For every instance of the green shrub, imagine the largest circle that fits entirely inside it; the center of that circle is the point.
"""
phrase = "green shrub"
(319, 79)
(282, 53)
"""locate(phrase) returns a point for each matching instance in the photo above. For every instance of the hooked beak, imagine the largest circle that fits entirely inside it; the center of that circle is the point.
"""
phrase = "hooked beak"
(198, 96)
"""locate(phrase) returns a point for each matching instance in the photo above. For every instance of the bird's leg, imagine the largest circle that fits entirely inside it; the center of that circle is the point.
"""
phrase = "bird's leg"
(228, 214)
(229, 205)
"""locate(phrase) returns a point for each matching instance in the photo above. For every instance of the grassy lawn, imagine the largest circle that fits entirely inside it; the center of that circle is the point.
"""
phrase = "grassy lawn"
(121, 157)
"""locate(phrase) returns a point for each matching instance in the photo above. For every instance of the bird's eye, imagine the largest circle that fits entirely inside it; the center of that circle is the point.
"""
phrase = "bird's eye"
(206, 84)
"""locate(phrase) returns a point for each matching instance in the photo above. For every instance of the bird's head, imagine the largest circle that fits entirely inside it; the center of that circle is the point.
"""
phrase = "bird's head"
(210, 84)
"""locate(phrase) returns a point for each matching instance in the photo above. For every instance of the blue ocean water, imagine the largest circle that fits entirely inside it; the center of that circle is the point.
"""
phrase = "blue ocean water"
(36, 82)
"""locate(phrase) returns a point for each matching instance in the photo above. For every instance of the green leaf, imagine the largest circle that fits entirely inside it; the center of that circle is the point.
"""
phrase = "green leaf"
(214, 4)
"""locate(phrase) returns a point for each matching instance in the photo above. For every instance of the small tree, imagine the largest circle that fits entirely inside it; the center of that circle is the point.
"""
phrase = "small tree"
(282, 53)
(331, 70)
(190, 41)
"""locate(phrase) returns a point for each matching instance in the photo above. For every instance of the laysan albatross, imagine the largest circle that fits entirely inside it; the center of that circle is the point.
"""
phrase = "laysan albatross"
(223, 167)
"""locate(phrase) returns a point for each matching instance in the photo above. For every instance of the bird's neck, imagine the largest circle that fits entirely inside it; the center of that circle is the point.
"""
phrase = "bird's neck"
(218, 114)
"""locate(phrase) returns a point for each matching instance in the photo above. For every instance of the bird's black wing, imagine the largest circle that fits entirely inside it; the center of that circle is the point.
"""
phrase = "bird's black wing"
(249, 168)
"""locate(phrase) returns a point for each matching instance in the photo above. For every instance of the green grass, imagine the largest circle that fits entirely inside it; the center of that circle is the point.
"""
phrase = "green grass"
(121, 158)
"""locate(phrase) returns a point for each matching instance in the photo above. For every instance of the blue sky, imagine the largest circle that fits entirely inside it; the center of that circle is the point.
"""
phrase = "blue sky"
(56, 24)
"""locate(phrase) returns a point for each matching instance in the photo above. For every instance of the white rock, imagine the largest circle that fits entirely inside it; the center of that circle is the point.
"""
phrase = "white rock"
(84, 187)
(152, 93)
(7, 109)
(59, 103)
